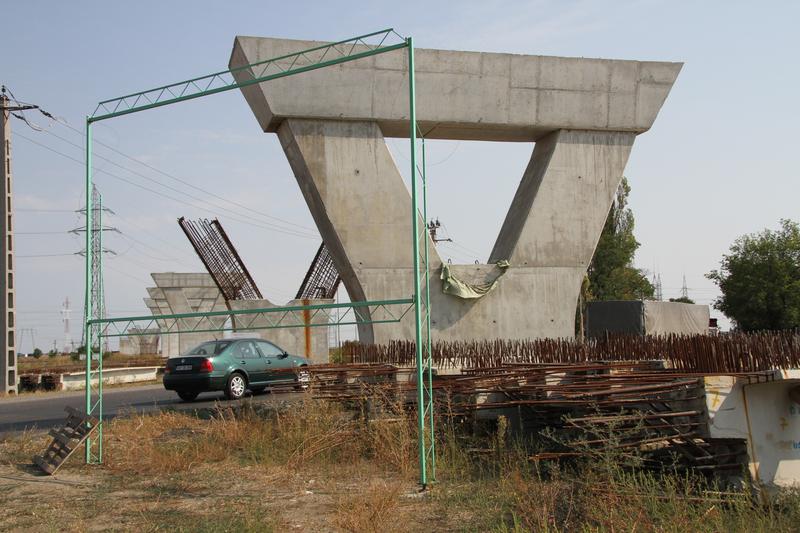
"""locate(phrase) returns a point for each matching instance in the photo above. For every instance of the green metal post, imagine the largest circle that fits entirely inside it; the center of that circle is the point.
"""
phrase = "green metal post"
(88, 281)
(412, 117)
(98, 407)
(428, 356)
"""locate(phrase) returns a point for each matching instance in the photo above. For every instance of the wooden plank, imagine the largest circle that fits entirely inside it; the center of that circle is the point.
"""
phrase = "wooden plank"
(63, 437)
(66, 440)
(41, 463)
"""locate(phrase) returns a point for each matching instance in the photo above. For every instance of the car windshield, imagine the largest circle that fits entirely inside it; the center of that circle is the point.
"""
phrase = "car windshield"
(209, 348)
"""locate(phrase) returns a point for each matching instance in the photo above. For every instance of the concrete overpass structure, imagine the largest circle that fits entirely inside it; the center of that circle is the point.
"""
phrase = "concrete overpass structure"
(196, 292)
(582, 114)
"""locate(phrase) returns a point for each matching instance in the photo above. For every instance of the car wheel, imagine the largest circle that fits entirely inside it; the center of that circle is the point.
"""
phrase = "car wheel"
(236, 386)
(187, 396)
(302, 378)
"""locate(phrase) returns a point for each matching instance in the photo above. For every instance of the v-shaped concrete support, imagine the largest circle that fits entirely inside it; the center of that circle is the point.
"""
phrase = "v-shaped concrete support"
(583, 115)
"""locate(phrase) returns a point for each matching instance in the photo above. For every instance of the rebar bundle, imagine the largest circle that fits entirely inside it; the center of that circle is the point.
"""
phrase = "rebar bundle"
(322, 278)
(736, 352)
(221, 259)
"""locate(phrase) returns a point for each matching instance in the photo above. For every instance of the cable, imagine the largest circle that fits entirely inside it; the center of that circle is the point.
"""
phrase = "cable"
(41, 233)
(27, 256)
(161, 194)
(25, 210)
(141, 228)
(179, 191)
(105, 265)
(182, 181)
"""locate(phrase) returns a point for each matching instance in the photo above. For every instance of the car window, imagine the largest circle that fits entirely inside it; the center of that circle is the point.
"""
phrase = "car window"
(269, 349)
(245, 350)
(209, 348)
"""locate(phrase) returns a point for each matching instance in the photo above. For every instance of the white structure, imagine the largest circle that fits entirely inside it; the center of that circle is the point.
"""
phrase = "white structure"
(766, 412)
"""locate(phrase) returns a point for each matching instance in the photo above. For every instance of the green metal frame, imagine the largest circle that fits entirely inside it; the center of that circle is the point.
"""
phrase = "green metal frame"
(292, 316)
(264, 71)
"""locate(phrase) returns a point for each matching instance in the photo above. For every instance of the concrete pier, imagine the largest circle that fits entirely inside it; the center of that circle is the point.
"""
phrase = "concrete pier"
(582, 114)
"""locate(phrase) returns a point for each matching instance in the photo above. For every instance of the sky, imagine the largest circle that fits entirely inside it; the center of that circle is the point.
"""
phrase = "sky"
(720, 161)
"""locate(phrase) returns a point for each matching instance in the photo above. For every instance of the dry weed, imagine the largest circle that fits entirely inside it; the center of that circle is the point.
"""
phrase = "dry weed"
(374, 511)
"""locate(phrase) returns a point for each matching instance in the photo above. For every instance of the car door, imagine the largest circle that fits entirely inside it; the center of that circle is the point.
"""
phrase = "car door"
(274, 359)
(246, 355)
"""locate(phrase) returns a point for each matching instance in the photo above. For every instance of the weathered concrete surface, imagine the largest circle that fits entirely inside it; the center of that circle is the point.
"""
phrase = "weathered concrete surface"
(111, 376)
(463, 95)
(767, 416)
(185, 293)
(142, 343)
(309, 340)
(583, 114)
(196, 292)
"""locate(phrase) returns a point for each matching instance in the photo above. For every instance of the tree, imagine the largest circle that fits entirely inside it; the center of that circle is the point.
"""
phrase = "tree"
(611, 274)
(37, 353)
(760, 279)
(682, 300)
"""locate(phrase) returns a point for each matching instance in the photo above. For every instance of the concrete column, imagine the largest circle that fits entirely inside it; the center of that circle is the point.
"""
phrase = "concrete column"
(359, 203)
(8, 358)
(563, 200)
(187, 293)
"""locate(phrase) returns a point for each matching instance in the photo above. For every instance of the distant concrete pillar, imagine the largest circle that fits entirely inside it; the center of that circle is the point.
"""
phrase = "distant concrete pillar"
(177, 293)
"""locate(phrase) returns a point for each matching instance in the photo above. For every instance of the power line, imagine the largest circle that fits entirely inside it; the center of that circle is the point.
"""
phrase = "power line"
(163, 195)
(182, 181)
(41, 232)
(36, 210)
(179, 191)
(44, 255)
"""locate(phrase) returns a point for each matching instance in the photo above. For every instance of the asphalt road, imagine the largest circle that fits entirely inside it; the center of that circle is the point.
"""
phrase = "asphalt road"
(46, 410)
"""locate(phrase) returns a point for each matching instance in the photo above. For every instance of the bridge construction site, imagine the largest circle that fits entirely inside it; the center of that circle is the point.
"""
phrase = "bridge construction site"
(445, 352)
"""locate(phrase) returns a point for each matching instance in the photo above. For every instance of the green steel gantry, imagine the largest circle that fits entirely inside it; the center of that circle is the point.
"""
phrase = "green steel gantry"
(326, 55)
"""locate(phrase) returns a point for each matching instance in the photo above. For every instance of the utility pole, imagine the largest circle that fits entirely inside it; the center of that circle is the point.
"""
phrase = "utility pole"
(8, 359)
(433, 227)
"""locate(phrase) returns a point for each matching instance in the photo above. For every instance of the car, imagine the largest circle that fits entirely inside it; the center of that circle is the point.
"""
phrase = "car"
(234, 366)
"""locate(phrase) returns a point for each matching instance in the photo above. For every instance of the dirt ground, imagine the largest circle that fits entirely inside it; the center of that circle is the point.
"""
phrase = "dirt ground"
(204, 497)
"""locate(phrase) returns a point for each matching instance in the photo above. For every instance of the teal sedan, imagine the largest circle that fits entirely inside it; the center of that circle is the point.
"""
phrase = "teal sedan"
(234, 366)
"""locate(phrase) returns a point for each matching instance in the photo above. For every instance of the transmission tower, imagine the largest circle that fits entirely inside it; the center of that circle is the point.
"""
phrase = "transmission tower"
(97, 295)
(21, 332)
(65, 315)
(684, 289)
(659, 292)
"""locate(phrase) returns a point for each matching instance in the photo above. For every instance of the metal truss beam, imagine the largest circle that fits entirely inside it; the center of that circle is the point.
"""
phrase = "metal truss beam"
(271, 69)
(295, 316)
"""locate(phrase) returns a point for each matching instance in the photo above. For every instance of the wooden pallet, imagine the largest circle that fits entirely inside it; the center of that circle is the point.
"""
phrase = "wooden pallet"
(66, 440)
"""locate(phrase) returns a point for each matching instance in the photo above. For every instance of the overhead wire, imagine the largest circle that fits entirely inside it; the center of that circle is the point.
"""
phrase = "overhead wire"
(185, 182)
(162, 194)
(260, 223)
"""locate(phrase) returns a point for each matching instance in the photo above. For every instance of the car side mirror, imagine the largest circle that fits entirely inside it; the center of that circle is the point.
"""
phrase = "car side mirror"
(284, 355)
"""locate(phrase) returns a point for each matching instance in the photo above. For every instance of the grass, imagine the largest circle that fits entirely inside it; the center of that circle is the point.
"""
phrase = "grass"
(321, 467)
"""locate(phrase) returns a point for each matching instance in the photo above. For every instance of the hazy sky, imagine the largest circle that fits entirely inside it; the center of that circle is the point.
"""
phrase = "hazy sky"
(721, 160)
